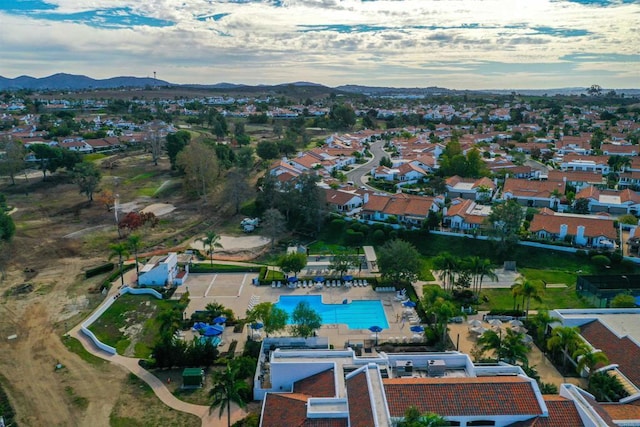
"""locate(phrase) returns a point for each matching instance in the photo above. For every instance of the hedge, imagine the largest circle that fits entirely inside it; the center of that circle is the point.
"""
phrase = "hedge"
(98, 270)
(222, 268)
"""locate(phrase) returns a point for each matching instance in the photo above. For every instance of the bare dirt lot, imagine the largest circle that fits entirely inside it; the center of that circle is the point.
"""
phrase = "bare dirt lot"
(58, 236)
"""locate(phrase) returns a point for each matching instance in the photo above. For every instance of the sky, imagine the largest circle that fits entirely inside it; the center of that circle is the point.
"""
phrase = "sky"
(457, 44)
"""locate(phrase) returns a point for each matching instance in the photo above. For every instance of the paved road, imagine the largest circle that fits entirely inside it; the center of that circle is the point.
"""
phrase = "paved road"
(358, 174)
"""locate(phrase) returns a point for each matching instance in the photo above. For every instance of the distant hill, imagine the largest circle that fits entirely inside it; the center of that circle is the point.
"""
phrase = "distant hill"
(396, 91)
(62, 81)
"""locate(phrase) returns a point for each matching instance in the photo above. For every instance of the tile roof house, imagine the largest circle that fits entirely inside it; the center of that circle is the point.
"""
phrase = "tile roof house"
(577, 179)
(619, 149)
(612, 201)
(465, 214)
(534, 193)
(346, 202)
(585, 163)
(346, 390)
(410, 211)
(581, 230)
(470, 188)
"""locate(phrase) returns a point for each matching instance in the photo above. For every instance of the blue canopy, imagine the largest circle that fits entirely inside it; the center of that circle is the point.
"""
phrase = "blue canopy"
(375, 329)
(347, 278)
(319, 279)
(220, 319)
(257, 325)
(212, 331)
(199, 325)
(637, 301)
(292, 279)
(409, 304)
(416, 328)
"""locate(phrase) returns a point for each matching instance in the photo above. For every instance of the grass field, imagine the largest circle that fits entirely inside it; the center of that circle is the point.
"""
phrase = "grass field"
(552, 298)
(123, 320)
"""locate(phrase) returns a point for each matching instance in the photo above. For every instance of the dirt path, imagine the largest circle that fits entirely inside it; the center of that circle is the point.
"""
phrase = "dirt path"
(77, 395)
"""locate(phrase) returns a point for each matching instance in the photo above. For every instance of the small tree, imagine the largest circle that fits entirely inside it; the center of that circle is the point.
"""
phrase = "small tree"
(226, 390)
(273, 224)
(134, 245)
(119, 250)
(625, 300)
(210, 241)
(273, 318)
(399, 261)
(87, 176)
(588, 359)
(414, 418)
(292, 263)
(342, 263)
(305, 320)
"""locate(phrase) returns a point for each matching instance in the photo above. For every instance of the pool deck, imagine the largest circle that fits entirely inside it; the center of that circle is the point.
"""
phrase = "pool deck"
(236, 291)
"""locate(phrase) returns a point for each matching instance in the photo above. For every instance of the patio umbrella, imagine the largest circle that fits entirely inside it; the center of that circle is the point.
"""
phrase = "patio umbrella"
(515, 322)
(376, 330)
(527, 339)
(257, 325)
(212, 331)
(479, 330)
(495, 322)
(347, 278)
(219, 319)
(318, 279)
(474, 323)
(409, 304)
(519, 329)
(292, 279)
(199, 325)
(416, 329)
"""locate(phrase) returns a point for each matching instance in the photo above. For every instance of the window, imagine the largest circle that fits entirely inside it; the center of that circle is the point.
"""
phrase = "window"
(481, 423)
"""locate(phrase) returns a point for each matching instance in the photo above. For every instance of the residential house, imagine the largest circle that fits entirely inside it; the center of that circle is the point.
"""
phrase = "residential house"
(407, 210)
(77, 146)
(534, 193)
(104, 144)
(311, 385)
(345, 202)
(470, 188)
(408, 173)
(597, 164)
(618, 202)
(577, 179)
(580, 145)
(580, 230)
(384, 172)
(160, 271)
(465, 214)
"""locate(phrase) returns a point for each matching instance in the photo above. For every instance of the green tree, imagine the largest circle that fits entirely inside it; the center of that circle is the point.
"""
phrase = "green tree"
(305, 320)
(133, 241)
(13, 161)
(273, 224)
(87, 176)
(342, 117)
(448, 265)
(507, 345)
(267, 150)
(244, 158)
(504, 224)
(200, 165)
(541, 321)
(414, 418)
(481, 268)
(441, 311)
(227, 389)
(564, 340)
(528, 290)
(588, 359)
(292, 263)
(628, 219)
(119, 250)
(237, 191)
(272, 317)
(581, 206)
(211, 242)
(399, 261)
(175, 144)
(606, 388)
(624, 300)
(343, 262)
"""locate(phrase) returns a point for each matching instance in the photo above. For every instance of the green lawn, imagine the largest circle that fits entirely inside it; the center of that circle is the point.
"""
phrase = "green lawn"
(552, 298)
(75, 346)
(550, 276)
(134, 313)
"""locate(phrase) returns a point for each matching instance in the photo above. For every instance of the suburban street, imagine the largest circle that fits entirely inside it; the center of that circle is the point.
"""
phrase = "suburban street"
(358, 174)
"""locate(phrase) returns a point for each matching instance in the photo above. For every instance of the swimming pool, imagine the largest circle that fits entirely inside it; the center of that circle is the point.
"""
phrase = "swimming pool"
(357, 314)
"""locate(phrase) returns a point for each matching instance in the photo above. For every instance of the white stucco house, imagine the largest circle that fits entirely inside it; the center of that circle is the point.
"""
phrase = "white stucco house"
(161, 271)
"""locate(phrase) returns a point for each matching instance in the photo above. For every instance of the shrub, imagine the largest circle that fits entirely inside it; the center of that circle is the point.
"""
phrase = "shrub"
(378, 237)
(337, 225)
(98, 270)
(580, 253)
(615, 257)
(601, 261)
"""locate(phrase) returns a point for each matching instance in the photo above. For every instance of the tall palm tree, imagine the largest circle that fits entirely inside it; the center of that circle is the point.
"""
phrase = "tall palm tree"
(449, 266)
(513, 349)
(413, 418)
(481, 268)
(541, 321)
(565, 339)
(528, 290)
(589, 358)
(119, 250)
(134, 244)
(226, 390)
(212, 241)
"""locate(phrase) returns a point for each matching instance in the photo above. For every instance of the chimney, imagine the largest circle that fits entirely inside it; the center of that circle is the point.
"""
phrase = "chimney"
(563, 231)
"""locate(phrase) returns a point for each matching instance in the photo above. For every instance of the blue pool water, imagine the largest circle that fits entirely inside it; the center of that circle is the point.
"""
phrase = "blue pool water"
(357, 314)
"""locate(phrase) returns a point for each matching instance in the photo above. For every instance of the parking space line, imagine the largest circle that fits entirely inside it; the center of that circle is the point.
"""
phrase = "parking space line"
(244, 280)
(206, 293)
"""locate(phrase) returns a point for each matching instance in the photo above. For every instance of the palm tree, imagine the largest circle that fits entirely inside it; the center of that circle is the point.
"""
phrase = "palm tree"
(589, 358)
(565, 339)
(134, 244)
(490, 340)
(513, 349)
(211, 241)
(226, 390)
(541, 321)
(119, 250)
(481, 268)
(528, 290)
(413, 418)
(448, 265)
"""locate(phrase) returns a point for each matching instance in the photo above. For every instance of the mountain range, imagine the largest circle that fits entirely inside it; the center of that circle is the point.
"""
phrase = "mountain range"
(62, 81)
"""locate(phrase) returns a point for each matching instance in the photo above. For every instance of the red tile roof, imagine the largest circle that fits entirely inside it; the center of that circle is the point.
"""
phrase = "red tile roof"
(562, 413)
(321, 384)
(360, 410)
(525, 188)
(622, 351)
(620, 411)
(290, 409)
(462, 396)
(593, 227)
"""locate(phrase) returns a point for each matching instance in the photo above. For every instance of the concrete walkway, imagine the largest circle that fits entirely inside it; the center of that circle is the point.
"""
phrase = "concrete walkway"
(158, 387)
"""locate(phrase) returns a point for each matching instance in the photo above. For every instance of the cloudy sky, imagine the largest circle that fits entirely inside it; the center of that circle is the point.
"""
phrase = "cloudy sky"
(461, 44)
